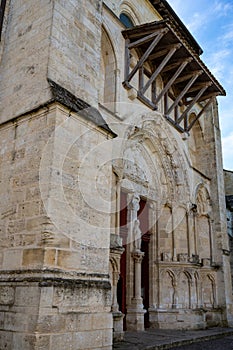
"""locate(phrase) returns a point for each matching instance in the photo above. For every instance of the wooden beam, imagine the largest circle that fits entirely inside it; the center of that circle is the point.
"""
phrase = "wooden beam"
(187, 76)
(197, 87)
(175, 64)
(153, 92)
(200, 114)
(146, 101)
(146, 54)
(161, 51)
(141, 78)
(183, 92)
(171, 81)
(160, 67)
(143, 40)
(175, 124)
(201, 92)
(158, 54)
(205, 97)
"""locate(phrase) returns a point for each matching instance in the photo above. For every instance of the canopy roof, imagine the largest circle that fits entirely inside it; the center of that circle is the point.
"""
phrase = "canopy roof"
(171, 56)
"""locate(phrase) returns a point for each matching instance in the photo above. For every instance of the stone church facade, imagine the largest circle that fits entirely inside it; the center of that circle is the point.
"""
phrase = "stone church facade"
(111, 185)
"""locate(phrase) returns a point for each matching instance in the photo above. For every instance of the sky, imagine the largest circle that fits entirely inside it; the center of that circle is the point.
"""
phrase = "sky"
(211, 24)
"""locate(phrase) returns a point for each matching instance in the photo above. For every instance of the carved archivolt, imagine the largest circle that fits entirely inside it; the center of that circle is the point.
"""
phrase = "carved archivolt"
(152, 157)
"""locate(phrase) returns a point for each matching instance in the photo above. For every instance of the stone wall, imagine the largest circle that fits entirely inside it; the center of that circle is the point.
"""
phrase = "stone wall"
(228, 178)
(54, 278)
(62, 178)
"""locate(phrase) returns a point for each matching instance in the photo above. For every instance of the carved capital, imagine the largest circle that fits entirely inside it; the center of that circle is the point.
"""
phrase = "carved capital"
(138, 256)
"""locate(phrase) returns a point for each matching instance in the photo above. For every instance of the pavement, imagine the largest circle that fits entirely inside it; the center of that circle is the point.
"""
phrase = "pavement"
(156, 339)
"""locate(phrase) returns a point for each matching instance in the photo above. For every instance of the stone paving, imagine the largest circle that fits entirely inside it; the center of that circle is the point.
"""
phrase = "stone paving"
(155, 339)
(225, 343)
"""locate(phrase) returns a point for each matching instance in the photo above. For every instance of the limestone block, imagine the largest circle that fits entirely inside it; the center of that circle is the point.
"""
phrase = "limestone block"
(19, 322)
(51, 324)
(85, 322)
(6, 340)
(67, 259)
(50, 257)
(89, 339)
(42, 342)
(23, 341)
(46, 300)
(33, 257)
(62, 341)
(27, 296)
(102, 321)
(12, 259)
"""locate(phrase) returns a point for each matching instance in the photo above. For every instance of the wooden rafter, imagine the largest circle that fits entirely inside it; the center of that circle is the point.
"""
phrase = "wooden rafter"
(183, 92)
(171, 81)
(143, 40)
(192, 103)
(146, 54)
(160, 67)
(175, 64)
(189, 127)
(162, 52)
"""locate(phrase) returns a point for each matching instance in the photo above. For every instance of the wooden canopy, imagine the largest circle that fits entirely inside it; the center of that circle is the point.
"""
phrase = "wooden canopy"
(186, 78)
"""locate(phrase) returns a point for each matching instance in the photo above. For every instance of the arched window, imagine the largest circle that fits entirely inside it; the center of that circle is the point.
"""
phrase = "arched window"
(126, 20)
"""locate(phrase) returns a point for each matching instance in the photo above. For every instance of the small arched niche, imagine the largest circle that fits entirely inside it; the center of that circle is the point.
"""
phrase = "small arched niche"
(107, 91)
(196, 144)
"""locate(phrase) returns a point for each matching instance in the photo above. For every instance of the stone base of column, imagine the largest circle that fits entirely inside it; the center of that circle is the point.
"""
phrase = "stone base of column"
(135, 316)
(118, 333)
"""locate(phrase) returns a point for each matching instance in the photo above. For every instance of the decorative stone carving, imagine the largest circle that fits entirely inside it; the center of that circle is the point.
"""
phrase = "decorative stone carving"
(7, 295)
(166, 256)
(206, 262)
(115, 241)
(183, 257)
(134, 204)
(137, 233)
(194, 259)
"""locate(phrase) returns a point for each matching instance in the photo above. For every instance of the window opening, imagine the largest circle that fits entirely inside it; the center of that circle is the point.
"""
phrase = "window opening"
(126, 20)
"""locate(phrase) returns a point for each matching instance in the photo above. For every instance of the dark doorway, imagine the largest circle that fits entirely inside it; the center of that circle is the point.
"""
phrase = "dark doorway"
(143, 216)
(121, 290)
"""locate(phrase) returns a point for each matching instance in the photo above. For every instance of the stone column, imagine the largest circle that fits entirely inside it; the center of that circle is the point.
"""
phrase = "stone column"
(174, 253)
(195, 233)
(115, 255)
(135, 312)
(212, 252)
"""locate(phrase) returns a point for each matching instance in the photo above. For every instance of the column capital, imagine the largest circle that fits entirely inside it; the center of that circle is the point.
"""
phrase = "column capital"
(137, 256)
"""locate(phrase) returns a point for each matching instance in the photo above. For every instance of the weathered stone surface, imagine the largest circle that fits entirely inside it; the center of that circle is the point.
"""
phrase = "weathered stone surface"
(72, 193)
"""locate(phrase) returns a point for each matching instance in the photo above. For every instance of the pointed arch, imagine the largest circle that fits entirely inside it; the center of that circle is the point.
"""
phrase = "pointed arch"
(197, 145)
(107, 91)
